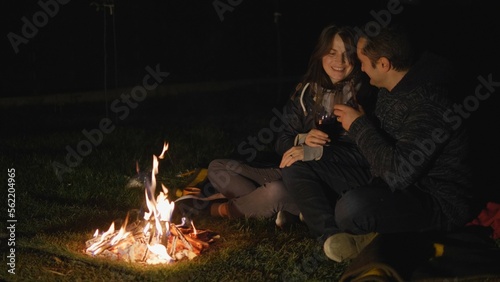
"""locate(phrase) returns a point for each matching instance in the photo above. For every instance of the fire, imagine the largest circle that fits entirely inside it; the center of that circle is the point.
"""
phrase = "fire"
(155, 239)
(165, 149)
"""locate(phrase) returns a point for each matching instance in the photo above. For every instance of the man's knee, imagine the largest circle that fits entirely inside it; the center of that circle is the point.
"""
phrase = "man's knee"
(352, 213)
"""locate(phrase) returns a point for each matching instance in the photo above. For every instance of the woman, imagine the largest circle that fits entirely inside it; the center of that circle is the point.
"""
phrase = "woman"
(334, 70)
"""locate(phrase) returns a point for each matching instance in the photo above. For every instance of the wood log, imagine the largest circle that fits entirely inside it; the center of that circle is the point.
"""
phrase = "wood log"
(176, 232)
(196, 242)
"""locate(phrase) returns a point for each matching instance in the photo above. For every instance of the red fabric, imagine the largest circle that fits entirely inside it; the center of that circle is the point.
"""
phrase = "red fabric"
(489, 217)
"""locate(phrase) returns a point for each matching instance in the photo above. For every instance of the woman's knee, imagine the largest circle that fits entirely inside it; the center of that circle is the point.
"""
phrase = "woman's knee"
(218, 174)
(276, 191)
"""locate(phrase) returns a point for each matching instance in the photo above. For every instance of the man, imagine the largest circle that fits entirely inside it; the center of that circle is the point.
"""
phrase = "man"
(417, 152)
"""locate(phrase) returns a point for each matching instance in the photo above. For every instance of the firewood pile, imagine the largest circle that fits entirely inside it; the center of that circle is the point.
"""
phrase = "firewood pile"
(141, 243)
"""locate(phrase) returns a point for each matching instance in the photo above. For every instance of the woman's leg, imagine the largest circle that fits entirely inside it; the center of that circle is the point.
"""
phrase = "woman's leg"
(252, 192)
(228, 177)
(263, 202)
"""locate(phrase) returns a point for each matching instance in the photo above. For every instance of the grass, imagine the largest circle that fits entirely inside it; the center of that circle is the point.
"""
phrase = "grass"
(58, 212)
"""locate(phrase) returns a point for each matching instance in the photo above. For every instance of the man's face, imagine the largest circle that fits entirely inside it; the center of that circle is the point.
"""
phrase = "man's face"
(376, 77)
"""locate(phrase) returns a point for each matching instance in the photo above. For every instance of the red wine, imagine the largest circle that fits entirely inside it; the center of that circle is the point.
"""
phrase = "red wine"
(330, 126)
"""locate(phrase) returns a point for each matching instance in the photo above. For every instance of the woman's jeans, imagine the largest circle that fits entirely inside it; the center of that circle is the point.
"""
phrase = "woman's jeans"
(252, 191)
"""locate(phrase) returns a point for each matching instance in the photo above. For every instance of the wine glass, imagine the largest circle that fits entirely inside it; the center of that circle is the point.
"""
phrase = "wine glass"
(325, 120)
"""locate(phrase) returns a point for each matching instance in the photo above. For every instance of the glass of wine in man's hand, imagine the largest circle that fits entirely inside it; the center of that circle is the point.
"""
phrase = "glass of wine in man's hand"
(325, 120)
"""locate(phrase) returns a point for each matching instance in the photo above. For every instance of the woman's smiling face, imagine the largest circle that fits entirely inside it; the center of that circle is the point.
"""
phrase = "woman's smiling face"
(335, 63)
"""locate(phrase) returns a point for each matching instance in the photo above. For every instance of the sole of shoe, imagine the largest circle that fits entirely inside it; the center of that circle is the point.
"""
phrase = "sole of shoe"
(343, 246)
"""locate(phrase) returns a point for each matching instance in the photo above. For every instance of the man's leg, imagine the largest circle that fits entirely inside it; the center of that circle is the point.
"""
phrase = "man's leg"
(378, 209)
(317, 185)
(364, 212)
(315, 203)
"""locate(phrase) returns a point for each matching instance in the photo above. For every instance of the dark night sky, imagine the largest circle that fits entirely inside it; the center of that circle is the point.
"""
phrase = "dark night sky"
(189, 40)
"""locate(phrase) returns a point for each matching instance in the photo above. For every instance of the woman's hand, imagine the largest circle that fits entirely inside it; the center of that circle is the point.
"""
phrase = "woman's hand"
(293, 154)
(316, 138)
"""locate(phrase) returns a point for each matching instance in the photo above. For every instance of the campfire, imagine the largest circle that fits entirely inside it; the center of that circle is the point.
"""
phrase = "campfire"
(151, 238)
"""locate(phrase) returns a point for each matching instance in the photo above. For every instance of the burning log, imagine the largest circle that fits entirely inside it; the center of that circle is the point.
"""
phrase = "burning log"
(177, 233)
(198, 244)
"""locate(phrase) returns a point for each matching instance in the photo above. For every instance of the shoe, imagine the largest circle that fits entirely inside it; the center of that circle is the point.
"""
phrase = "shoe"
(191, 207)
(285, 219)
(219, 210)
(343, 246)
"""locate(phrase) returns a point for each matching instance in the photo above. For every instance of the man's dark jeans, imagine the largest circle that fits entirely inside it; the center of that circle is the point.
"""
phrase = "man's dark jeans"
(338, 194)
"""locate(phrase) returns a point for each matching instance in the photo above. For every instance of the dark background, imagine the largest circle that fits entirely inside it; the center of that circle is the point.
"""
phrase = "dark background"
(84, 48)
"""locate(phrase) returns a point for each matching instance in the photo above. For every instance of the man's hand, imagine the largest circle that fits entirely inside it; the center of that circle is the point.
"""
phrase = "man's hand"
(346, 114)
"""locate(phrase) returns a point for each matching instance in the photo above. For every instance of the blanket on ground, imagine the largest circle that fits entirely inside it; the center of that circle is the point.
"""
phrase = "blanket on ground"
(467, 254)
(489, 217)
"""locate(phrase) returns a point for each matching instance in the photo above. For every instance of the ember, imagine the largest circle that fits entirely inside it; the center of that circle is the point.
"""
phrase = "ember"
(154, 239)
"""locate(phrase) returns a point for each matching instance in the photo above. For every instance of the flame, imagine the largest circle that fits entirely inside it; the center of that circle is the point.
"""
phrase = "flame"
(195, 232)
(160, 209)
(164, 207)
(161, 252)
(94, 248)
(122, 233)
(165, 148)
(146, 228)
